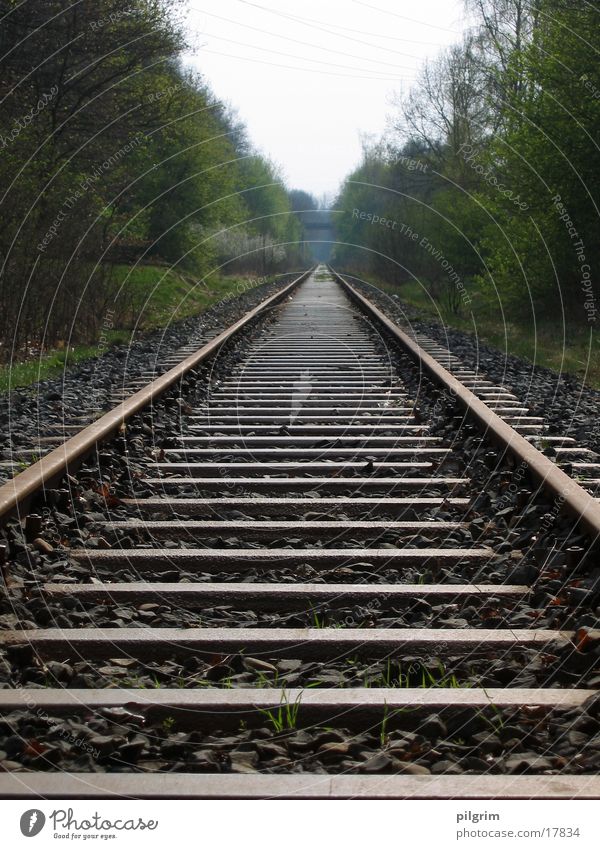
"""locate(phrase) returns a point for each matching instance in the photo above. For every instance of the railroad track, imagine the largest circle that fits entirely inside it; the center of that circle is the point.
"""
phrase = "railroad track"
(303, 594)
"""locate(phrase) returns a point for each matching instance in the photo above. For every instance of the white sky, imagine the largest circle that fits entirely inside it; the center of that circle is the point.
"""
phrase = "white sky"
(309, 78)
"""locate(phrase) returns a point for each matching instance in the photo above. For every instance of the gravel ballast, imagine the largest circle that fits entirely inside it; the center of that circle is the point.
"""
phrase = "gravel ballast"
(527, 539)
(569, 407)
(87, 389)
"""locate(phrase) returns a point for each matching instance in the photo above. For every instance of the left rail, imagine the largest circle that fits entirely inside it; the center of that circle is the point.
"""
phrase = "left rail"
(16, 493)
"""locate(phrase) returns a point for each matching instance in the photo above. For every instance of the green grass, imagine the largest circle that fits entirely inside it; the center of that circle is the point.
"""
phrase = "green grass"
(383, 728)
(147, 297)
(415, 677)
(563, 347)
(285, 717)
(52, 364)
(150, 296)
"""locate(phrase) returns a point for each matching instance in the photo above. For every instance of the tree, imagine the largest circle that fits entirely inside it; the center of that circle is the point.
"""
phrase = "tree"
(114, 152)
(72, 86)
(548, 151)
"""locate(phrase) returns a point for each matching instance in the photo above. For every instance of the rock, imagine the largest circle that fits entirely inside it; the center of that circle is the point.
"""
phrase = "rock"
(433, 727)
(218, 672)
(301, 741)
(42, 545)
(410, 769)
(51, 755)
(270, 750)
(466, 724)
(377, 763)
(175, 746)
(245, 759)
(125, 662)
(104, 743)
(587, 724)
(476, 764)
(204, 760)
(132, 749)
(333, 751)
(486, 743)
(446, 768)
(252, 664)
(529, 762)
(329, 736)
(591, 706)
(242, 768)
(510, 732)
(10, 766)
(577, 739)
(62, 672)
(9, 620)
(397, 747)
(331, 678)
(13, 745)
(289, 665)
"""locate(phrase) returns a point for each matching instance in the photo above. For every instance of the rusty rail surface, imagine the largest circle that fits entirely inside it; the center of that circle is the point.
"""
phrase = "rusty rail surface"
(576, 500)
(16, 492)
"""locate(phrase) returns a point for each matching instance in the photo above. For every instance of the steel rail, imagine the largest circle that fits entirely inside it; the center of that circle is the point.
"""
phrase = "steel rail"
(15, 493)
(568, 492)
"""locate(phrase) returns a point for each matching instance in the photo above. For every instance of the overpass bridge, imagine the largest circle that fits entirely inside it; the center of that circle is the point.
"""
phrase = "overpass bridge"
(318, 232)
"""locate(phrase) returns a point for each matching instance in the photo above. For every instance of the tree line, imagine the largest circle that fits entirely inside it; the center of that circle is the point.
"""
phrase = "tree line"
(487, 178)
(113, 151)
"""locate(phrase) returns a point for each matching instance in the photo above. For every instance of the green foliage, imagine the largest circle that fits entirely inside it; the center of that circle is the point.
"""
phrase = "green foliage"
(573, 348)
(148, 297)
(285, 717)
(114, 153)
(493, 163)
(548, 152)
